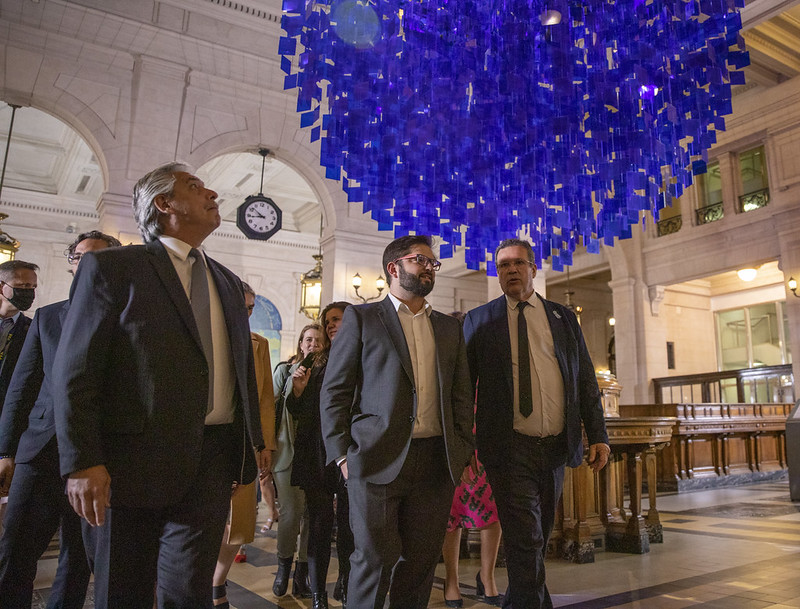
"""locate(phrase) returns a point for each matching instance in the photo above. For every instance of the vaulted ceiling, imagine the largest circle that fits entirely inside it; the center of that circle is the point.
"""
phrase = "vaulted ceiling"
(47, 156)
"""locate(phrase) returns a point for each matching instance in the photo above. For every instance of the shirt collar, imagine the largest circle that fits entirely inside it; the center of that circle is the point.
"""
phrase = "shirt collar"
(400, 306)
(512, 302)
(15, 316)
(177, 248)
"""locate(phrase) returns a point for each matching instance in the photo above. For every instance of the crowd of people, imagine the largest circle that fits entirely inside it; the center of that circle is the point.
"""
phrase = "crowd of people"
(139, 418)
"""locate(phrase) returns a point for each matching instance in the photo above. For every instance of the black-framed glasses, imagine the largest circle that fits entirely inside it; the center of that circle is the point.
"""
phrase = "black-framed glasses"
(421, 260)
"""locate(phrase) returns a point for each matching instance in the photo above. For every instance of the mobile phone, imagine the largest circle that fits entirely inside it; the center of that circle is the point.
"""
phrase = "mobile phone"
(308, 360)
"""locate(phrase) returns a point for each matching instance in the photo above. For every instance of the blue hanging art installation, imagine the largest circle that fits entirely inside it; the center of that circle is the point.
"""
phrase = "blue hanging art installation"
(474, 120)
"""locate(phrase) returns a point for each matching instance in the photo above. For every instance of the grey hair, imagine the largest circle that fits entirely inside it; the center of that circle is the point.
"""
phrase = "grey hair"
(160, 181)
(247, 289)
(10, 268)
(514, 243)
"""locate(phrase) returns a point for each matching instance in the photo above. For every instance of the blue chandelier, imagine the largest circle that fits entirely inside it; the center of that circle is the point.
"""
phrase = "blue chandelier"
(479, 120)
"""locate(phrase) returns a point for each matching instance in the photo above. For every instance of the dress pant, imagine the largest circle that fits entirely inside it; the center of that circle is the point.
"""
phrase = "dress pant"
(526, 490)
(174, 546)
(292, 512)
(37, 506)
(320, 499)
(398, 530)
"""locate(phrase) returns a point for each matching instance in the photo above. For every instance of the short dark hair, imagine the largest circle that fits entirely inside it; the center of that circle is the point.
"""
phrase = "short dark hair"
(92, 234)
(339, 304)
(247, 289)
(516, 242)
(9, 268)
(399, 248)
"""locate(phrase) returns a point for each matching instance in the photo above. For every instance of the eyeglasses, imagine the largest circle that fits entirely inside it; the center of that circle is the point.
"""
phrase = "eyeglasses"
(506, 265)
(74, 258)
(421, 260)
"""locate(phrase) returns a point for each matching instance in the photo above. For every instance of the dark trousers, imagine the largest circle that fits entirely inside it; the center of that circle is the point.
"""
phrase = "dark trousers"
(398, 530)
(319, 499)
(526, 489)
(37, 506)
(174, 546)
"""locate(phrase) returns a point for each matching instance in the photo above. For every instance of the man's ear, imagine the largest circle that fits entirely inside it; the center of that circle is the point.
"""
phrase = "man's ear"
(391, 269)
(161, 203)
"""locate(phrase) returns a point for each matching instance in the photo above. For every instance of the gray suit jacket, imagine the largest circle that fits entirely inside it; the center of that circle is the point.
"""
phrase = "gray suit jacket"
(369, 403)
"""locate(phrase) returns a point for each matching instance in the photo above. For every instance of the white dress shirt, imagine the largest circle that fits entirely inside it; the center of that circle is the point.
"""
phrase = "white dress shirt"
(224, 376)
(547, 384)
(422, 349)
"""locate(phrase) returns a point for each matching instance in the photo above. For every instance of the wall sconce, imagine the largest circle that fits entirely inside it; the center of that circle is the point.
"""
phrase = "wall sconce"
(8, 245)
(380, 285)
(792, 283)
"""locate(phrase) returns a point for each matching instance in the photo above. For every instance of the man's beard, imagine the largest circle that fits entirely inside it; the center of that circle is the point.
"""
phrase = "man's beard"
(412, 283)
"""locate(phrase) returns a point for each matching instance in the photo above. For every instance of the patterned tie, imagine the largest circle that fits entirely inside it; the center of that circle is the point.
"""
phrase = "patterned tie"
(201, 307)
(524, 362)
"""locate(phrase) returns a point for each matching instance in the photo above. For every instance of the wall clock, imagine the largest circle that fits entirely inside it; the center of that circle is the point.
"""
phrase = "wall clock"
(258, 217)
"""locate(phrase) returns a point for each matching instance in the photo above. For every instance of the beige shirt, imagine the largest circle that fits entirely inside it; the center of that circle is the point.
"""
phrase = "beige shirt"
(547, 384)
(418, 331)
(224, 376)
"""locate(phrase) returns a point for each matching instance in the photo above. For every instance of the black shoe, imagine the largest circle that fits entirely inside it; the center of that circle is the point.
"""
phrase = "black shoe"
(319, 601)
(282, 576)
(494, 601)
(218, 592)
(456, 604)
(300, 583)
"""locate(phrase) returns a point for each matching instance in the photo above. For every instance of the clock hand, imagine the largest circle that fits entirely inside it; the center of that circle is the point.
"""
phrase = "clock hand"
(254, 212)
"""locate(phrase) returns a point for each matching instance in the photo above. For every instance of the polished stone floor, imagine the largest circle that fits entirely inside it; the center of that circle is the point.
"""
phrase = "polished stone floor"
(731, 548)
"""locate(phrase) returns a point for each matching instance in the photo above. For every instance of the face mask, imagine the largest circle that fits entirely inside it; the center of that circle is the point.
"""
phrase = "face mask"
(22, 298)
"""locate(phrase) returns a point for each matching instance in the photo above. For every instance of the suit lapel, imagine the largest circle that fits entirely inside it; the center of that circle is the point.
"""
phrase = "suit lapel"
(498, 333)
(172, 284)
(560, 331)
(390, 320)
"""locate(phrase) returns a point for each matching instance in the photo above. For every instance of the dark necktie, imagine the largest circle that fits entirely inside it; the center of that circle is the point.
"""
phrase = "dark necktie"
(524, 362)
(201, 307)
(5, 330)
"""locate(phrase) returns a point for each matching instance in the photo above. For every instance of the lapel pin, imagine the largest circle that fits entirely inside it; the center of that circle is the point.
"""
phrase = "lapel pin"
(556, 314)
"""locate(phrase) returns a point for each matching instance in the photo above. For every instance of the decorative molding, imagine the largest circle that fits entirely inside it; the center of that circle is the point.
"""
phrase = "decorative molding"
(656, 295)
(245, 8)
(61, 211)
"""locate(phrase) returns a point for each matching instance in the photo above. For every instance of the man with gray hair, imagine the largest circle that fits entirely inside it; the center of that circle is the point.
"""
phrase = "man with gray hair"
(155, 399)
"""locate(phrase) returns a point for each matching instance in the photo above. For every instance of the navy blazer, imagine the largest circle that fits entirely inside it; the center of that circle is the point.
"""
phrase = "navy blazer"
(489, 357)
(369, 402)
(131, 379)
(27, 424)
(10, 357)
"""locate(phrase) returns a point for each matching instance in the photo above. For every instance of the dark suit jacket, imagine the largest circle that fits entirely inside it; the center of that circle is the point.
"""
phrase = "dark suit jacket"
(9, 362)
(131, 380)
(369, 403)
(27, 424)
(489, 356)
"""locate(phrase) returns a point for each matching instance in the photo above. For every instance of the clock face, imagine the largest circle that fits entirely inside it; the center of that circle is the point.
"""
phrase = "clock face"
(261, 216)
(258, 217)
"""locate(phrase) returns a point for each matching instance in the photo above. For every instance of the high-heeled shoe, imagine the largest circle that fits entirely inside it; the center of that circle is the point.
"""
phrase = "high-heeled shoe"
(480, 590)
(456, 604)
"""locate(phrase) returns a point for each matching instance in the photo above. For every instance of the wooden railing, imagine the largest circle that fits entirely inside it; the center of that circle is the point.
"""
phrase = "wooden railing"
(718, 444)
(767, 384)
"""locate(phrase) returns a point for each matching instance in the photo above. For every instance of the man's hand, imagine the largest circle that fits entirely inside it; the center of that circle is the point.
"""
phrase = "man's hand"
(264, 462)
(6, 473)
(300, 380)
(470, 473)
(88, 491)
(598, 456)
